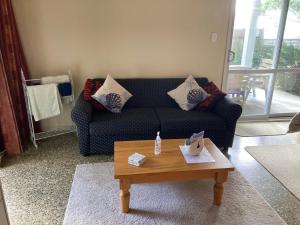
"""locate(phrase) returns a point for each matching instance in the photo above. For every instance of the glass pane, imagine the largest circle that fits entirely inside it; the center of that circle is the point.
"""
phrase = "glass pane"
(250, 91)
(255, 32)
(286, 97)
(290, 50)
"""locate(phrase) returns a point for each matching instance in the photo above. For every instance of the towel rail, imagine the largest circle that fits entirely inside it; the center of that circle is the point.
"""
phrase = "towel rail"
(34, 135)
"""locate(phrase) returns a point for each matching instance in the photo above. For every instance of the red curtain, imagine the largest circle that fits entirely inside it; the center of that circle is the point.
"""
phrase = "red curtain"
(13, 115)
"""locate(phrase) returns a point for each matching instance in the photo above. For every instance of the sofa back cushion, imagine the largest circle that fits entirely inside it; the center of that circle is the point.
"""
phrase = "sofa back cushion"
(150, 92)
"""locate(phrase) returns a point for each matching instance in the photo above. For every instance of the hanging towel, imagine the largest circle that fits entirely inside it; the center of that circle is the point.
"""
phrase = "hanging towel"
(55, 79)
(44, 100)
(65, 89)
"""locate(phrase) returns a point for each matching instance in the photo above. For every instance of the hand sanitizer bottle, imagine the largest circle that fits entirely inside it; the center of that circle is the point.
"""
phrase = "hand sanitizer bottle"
(157, 147)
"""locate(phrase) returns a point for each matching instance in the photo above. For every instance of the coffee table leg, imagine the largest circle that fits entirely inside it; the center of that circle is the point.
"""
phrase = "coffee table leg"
(124, 195)
(220, 178)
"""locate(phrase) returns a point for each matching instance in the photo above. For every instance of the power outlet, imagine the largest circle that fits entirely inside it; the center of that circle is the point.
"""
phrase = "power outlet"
(213, 37)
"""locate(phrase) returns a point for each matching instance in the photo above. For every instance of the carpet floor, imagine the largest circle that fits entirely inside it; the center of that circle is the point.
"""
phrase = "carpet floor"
(251, 129)
(282, 161)
(36, 184)
(94, 200)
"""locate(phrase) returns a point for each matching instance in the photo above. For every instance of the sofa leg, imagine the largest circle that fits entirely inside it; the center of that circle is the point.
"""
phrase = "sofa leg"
(224, 150)
(85, 154)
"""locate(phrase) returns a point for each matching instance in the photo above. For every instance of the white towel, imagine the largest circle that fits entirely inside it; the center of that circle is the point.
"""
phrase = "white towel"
(45, 101)
(55, 79)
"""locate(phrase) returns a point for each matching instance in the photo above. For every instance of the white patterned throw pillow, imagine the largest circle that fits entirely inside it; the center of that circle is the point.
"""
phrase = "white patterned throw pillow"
(112, 95)
(188, 94)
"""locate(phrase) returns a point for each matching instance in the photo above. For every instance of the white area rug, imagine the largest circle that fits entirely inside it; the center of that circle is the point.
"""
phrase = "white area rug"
(94, 199)
(282, 161)
(251, 129)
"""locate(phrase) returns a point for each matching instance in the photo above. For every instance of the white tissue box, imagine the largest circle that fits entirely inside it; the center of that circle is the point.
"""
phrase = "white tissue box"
(136, 159)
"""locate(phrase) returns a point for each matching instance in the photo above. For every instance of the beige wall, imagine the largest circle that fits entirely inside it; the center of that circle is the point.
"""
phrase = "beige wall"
(126, 38)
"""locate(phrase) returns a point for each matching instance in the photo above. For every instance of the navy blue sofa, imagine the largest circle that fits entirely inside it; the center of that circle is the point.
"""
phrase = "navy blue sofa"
(148, 111)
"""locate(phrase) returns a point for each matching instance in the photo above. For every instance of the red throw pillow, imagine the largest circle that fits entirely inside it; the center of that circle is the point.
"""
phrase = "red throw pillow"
(90, 88)
(215, 95)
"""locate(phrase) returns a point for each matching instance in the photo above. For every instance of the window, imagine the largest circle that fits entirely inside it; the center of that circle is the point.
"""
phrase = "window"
(264, 71)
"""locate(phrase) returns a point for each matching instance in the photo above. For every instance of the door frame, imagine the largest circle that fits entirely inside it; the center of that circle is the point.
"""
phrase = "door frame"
(228, 44)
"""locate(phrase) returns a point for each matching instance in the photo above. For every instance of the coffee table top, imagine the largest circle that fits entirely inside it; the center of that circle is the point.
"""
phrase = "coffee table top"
(169, 160)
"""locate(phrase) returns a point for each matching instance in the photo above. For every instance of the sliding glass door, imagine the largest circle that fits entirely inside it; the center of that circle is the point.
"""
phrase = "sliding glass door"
(286, 96)
(264, 74)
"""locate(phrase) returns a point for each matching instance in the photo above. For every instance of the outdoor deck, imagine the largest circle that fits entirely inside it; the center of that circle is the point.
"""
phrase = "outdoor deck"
(283, 102)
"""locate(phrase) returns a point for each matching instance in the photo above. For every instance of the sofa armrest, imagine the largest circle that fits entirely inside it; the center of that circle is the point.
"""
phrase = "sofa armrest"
(82, 111)
(81, 115)
(228, 110)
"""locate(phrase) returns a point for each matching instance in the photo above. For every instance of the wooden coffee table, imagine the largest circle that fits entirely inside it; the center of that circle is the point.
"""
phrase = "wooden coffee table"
(170, 165)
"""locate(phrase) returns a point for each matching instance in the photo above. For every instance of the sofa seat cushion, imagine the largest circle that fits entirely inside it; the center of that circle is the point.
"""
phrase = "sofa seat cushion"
(178, 123)
(129, 121)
